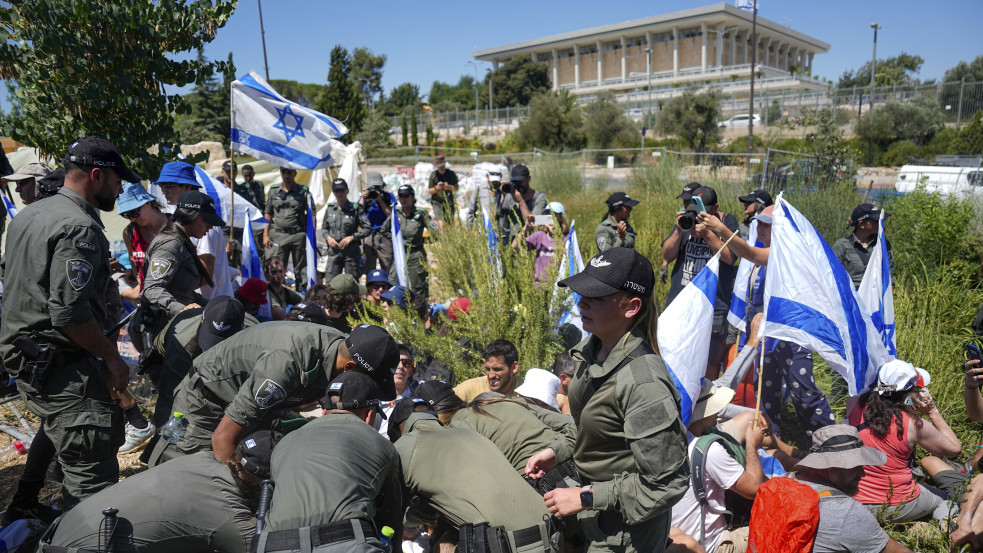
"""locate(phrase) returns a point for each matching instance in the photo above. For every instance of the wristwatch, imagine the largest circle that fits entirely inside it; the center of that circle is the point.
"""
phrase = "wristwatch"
(587, 497)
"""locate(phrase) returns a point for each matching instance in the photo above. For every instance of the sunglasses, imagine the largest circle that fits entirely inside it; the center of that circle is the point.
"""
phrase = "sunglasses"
(406, 362)
(132, 214)
(405, 195)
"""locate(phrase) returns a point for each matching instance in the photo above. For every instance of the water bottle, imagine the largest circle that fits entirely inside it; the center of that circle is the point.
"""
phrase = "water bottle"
(16, 448)
(174, 428)
(386, 537)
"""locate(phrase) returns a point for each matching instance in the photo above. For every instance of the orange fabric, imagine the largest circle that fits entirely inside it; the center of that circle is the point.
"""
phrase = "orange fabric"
(784, 517)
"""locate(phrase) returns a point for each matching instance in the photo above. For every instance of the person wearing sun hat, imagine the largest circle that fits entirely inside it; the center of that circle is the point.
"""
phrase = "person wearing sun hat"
(631, 398)
(146, 219)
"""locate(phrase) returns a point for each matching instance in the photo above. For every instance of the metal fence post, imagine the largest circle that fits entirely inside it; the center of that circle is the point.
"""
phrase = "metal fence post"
(959, 111)
(764, 169)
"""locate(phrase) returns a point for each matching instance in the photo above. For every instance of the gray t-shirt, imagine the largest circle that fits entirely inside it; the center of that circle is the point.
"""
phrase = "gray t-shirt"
(846, 526)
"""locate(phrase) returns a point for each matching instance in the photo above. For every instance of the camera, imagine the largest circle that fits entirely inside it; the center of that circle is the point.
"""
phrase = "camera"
(688, 218)
(507, 187)
(373, 193)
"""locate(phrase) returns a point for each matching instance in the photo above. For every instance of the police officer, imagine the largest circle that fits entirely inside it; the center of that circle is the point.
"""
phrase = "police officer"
(341, 221)
(174, 271)
(443, 188)
(192, 504)
(376, 235)
(239, 384)
(347, 510)
(414, 224)
(285, 236)
(854, 251)
(439, 465)
(56, 272)
(631, 448)
(614, 231)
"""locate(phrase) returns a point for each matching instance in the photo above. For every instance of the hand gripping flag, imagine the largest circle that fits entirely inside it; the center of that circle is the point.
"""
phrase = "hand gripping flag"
(311, 245)
(810, 301)
(684, 335)
(399, 249)
(738, 301)
(270, 127)
(222, 196)
(877, 292)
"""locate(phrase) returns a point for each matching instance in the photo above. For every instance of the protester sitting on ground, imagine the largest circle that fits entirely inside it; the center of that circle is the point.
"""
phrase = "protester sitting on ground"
(147, 219)
(252, 294)
(377, 283)
(540, 388)
(834, 467)
(704, 519)
(281, 297)
(191, 504)
(405, 385)
(614, 230)
(885, 423)
(563, 368)
(501, 370)
(308, 312)
(340, 302)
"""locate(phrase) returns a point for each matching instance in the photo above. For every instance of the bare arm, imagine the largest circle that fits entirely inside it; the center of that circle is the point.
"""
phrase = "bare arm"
(970, 527)
(895, 547)
(208, 260)
(700, 230)
(225, 438)
(937, 438)
(971, 394)
(747, 485)
(670, 248)
(758, 256)
(89, 336)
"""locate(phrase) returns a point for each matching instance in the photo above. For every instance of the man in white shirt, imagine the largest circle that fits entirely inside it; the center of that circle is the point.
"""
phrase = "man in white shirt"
(211, 251)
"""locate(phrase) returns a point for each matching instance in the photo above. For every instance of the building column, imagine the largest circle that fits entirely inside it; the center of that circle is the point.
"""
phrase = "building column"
(703, 47)
(768, 52)
(556, 70)
(576, 66)
(600, 64)
(532, 56)
(809, 63)
(720, 45)
(747, 46)
(675, 51)
(624, 61)
(495, 65)
(733, 47)
(648, 53)
(793, 55)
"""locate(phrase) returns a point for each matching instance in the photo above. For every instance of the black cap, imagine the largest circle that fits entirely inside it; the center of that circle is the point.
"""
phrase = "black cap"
(375, 352)
(688, 190)
(351, 391)
(203, 204)
(229, 164)
(339, 184)
(519, 173)
(223, 316)
(98, 152)
(619, 199)
(309, 312)
(256, 450)
(433, 391)
(50, 184)
(757, 196)
(405, 189)
(612, 271)
(865, 211)
(707, 194)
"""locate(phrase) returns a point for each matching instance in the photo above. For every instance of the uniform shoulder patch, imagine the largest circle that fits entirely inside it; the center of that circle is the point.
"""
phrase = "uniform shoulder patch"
(269, 394)
(79, 273)
(159, 267)
(88, 246)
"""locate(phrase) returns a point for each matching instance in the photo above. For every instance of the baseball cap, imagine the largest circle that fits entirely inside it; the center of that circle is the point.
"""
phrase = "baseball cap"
(133, 196)
(402, 411)
(223, 316)
(178, 172)
(254, 290)
(519, 173)
(712, 400)
(619, 199)
(898, 376)
(203, 204)
(229, 164)
(339, 184)
(256, 450)
(494, 176)
(374, 179)
(36, 171)
(707, 194)
(98, 152)
(398, 295)
(351, 391)
(458, 307)
(377, 275)
(343, 284)
(557, 207)
(612, 271)
(309, 312)
(865, 211)
(766, 215)
(433, 391)
(688, 190)
(375, 351)
(758, 196)
(405, 189)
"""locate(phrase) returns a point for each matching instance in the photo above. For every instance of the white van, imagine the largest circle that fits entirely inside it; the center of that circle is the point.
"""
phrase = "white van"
(956, 181)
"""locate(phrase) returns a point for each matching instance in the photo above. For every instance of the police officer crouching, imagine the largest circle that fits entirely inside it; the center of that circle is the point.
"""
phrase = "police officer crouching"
(337, 479)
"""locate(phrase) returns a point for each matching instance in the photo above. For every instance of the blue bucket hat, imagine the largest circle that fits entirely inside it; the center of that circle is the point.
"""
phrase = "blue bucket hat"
(178, 172)
(133, 197)
(398, 295)
(378, 275)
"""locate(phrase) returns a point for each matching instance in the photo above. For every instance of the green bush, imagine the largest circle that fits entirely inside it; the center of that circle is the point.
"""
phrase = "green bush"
(932, 230)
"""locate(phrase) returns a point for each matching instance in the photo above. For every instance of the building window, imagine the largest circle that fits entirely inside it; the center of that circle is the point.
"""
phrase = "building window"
(544, 57)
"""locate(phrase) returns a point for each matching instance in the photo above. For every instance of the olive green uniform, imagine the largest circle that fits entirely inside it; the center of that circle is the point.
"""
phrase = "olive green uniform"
(173, 276)
(444, 202)
(631, 446)
(333, 469)
(607, 237)
(465, 478)
(56, 272)
(341, 222)
(854, 256)
(413, 228)
(285, 298)
(191, 505)
(289, 226)
(520, 430)
(248, 376)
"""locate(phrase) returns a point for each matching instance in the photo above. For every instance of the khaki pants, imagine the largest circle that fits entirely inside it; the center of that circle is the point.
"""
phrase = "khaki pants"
(733, 541)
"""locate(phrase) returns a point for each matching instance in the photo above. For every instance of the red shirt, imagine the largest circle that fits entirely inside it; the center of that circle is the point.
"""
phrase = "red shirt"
(139, 245)
(878, 481)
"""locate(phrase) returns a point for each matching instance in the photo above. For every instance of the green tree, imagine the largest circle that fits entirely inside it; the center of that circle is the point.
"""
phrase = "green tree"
(969, 141)
(827, 147)
(692, 117)
(461, 95)
(304, 94)
(367, 72)
(413, 130)
(402, 126)
(916, 120)
(516, 82)
(950, 91)
(82, 67)
(555, 122)
(898, 70)
(403, 96)
(375, 133)
(342, 98)
(208, 108)
(605, 124)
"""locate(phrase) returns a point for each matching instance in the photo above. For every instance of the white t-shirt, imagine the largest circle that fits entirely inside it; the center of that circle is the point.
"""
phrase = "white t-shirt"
(722, 473)
(383, 425)
(213, 243)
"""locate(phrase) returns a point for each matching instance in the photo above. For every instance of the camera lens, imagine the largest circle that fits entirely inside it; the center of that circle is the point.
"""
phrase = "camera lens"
(507, 187)
(687, 220)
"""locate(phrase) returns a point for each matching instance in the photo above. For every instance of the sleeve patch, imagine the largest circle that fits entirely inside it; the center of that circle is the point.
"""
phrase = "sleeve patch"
(88, 246)
(269, 394)
(79, 273)
(160, 267)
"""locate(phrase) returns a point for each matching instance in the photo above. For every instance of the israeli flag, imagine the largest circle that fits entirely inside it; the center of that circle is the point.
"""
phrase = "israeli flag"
(11, 208)
(270, 127)
(573, 263)
(877, 292)
(399, 248)
(493, 257)
(684, 335)
(738, 302)
(222, 196)
(253, 267)
(810, 301)
(311, 246)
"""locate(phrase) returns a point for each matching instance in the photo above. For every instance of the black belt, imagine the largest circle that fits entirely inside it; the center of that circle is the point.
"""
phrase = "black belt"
(289, 231)
(322, 534)
(59, 549)
(527, 536)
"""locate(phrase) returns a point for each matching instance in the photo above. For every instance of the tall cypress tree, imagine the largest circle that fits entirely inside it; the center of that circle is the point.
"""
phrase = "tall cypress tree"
(413, 129)
(342, 99)
(404, 129)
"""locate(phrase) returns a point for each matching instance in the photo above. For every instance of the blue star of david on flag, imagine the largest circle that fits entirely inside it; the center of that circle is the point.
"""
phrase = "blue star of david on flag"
(284, 126)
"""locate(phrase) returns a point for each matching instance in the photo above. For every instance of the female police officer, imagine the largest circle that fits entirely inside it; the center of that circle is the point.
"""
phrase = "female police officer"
(631, 448)
(414, 224)
(174, 270)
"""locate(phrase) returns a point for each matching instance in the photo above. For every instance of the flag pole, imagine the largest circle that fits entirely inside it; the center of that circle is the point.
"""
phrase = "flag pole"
(761, 372)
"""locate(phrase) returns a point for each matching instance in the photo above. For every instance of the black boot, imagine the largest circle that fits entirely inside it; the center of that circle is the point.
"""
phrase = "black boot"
(25, 504)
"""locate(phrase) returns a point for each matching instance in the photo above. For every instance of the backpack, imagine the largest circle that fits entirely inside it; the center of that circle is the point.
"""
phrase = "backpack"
(698, 466)
(785, 516)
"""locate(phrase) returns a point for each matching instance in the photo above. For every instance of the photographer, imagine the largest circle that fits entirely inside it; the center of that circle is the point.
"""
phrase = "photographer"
(376, 235)
(691, 245)
(520, 204)
(443, 187)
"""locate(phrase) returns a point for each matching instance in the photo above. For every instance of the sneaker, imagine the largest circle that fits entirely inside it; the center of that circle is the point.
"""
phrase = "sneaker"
(136, 437)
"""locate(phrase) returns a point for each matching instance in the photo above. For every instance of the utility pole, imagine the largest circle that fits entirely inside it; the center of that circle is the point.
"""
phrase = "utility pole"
(873, 66)
(648, 51)
(262, 36)
(754, 62)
